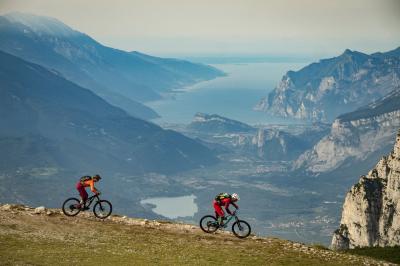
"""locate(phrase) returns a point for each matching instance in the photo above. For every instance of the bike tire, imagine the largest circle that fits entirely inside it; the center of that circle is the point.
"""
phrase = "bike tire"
(102, 209)
(209, 224)
(69, 207)
(241, 226)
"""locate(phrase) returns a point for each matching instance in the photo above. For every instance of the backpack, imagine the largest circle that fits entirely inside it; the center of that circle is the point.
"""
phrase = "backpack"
(85, 178)
(221, 196)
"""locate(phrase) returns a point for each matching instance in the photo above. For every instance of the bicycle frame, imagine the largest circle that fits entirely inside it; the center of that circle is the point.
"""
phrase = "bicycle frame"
(90, 200)
(230, 217)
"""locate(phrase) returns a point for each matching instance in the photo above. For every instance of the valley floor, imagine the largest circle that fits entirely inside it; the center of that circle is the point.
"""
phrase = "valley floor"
(50, 238)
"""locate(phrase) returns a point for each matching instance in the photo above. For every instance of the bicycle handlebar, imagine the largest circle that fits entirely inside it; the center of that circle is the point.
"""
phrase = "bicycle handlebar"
(234, 213)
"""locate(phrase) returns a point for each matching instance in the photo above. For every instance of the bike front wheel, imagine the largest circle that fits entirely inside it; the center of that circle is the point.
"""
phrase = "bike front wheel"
(71, 207)
(102, 209)
(241, 229)
(209, 224)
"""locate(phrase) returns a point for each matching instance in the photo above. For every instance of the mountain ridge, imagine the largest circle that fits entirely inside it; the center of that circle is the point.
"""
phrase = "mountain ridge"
(321, 91)
(124, 79)
(37, 103)
(356, 136)
(203, 122)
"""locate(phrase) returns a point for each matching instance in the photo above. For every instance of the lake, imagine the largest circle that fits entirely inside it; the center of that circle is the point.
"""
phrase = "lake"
(232, 96)
(173, 207)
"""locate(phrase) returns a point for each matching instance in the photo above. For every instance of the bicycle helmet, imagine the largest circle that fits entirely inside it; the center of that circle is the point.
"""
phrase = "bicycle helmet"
(235, 197)
(98, 177)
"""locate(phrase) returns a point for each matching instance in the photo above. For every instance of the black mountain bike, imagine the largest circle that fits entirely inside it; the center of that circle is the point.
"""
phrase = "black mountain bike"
(240, 228)
(101, 209)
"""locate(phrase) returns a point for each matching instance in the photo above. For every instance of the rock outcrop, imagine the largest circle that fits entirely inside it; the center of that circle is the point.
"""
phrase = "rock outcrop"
(371, 211)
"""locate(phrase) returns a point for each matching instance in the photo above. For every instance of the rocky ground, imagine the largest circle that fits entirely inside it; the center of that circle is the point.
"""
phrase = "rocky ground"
(40, 236)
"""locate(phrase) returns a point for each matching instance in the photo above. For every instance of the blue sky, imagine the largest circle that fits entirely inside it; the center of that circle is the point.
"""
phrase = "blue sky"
(311, 28)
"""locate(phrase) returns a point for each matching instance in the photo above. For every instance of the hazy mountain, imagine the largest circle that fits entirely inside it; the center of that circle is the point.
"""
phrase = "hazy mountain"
(277, 145)
(324, 90)
(50, 122)
(213, 123)
(362, 135)
(120, 77)
(270, 144)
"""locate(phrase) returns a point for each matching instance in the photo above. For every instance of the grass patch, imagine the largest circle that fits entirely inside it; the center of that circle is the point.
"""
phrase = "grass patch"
(319, 246)
(57, 240)
(391, 254)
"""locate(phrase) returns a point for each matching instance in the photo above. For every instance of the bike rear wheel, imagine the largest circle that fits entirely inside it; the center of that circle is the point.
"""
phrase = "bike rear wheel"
(71, 207)
(209, 224)
(241, 229)
(102, 209)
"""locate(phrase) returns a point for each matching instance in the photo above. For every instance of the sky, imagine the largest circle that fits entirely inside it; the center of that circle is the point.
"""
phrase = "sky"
(310, 28)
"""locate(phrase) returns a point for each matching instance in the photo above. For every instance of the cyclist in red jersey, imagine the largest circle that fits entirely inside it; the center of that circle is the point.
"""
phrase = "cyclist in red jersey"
(224, 200)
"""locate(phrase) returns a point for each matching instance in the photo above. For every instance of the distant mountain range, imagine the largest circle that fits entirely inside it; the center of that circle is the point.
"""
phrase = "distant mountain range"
(50, 122)
(356, 137)
(278, 145)
(124, 79)
(324, 90)
(268, 144)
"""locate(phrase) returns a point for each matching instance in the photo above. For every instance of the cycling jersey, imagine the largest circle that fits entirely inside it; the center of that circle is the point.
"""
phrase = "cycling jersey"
(90, 183)
(223, 203)
(80, 186)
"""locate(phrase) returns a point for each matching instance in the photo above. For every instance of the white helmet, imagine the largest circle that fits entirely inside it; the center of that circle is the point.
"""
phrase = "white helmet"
(235, 197)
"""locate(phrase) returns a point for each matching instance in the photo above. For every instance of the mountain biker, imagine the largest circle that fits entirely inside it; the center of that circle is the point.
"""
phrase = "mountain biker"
(84, 182)
(224, 200)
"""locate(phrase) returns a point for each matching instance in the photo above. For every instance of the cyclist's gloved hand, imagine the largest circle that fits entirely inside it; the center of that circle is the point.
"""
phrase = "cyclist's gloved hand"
(98, 193)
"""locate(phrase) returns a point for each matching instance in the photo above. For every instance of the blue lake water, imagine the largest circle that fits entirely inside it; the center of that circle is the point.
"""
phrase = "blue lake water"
(232, 96)
(173, 207)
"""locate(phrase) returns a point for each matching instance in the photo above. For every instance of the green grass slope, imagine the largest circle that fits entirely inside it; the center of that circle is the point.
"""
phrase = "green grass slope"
(50, 238)
(391, 254)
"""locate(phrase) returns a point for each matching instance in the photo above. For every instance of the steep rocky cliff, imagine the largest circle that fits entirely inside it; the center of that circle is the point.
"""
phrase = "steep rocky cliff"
(356, 136)
(322, 91)
(371, 211)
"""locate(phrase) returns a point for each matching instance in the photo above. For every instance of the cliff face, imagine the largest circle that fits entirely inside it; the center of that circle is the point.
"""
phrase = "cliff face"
(371, 211)
(322, 91)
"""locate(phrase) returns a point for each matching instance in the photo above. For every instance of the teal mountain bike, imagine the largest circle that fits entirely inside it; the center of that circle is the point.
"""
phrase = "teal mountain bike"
(240, 228)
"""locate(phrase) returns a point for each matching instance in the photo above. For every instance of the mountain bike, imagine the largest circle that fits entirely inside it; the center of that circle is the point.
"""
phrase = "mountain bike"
(101, 209)
(240, 228)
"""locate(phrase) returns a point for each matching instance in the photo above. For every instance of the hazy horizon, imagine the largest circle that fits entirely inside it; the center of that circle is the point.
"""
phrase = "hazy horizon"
(305, 29)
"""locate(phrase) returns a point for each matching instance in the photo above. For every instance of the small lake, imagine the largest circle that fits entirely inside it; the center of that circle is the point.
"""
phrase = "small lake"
(232, 96)
(173, 207)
